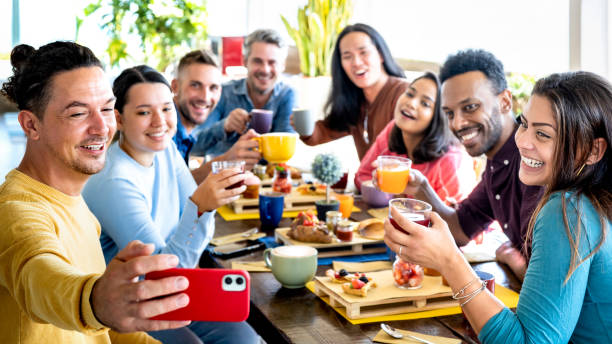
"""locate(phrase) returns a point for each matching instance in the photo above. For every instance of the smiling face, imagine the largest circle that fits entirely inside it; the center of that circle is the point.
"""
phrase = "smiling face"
(197, 91)
(414, 109)
(535, 139)
(360, 59)
(78, 122)
(148, 121)
(473, 111)
(264, 64)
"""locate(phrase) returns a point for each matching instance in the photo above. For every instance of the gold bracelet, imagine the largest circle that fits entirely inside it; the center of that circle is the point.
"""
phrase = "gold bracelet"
(459, 295)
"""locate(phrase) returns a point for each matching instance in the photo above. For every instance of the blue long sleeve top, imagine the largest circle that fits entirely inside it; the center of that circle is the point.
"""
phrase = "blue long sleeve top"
(549, 310)
(150, 204)
(211, 137)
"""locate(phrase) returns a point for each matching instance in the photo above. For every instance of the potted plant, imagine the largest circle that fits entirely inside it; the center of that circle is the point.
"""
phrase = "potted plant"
(166, 29)
(328, 170)
(520, 85)
(319, 23)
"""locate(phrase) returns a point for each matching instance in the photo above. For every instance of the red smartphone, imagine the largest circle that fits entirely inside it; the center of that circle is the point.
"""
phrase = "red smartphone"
(214, 294)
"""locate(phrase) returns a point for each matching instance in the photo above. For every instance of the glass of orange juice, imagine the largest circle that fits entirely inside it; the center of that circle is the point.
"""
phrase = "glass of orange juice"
(346, 202)
(392, 173)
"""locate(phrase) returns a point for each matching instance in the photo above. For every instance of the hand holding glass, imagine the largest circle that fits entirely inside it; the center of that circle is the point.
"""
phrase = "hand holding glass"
(392, 173)
(238, 165)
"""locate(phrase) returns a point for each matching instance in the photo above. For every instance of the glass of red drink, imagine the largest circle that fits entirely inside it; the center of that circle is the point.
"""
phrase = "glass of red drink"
(405, 274)
(411, 209)
(237, 165)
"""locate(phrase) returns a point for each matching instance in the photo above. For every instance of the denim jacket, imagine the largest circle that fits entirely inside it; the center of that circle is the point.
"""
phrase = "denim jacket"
(211, 138)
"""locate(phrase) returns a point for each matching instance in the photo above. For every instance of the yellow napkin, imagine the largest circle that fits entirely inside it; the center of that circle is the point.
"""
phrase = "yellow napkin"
(230, 238)
(228, 214)
(507, 296)
(362, 267)
(259, 266)
(383, 337)
(379, 213)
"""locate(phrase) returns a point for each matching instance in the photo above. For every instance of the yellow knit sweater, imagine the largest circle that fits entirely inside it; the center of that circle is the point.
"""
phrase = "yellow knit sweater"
(50, 258)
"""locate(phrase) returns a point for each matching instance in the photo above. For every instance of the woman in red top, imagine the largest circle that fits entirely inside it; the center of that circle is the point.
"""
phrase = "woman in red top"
(419, 131)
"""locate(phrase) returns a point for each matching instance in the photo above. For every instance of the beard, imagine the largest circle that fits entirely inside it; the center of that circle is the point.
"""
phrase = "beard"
(491, 131)
(186, 114)
(253, 84)
(85, 166)
(495, 129)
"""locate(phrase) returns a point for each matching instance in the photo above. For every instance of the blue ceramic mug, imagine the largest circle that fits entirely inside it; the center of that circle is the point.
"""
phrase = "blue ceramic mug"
(271, 206)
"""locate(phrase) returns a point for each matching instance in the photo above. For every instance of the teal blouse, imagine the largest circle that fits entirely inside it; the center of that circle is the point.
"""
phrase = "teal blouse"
(549, 310)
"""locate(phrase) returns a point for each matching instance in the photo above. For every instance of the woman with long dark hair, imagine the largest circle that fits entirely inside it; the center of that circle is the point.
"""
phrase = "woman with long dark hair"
(564, 141)
(419, 131)
(145, 192)
(366, 83)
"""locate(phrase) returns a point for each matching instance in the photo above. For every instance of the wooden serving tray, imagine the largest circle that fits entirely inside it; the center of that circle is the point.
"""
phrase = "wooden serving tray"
(359, 245)
(386, 298)
(294, 201)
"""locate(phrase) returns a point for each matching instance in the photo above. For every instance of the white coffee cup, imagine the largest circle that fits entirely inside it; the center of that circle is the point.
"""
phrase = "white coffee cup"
(303, 121)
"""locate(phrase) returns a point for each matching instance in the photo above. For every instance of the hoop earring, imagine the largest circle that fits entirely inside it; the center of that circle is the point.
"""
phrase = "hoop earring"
(580, 170)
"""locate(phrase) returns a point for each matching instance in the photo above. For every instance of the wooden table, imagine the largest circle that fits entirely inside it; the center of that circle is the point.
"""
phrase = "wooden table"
(283, 315)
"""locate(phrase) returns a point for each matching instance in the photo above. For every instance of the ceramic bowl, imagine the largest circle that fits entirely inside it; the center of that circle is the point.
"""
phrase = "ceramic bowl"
(374, 197)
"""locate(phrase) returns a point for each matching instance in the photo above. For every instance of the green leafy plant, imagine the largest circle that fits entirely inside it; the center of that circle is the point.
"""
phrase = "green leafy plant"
(327, 168)
(167, 28)
(319, 23)
(520, 85)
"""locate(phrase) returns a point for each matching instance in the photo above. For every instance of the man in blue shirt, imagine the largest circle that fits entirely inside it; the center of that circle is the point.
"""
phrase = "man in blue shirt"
(197, 88)
(264, 57)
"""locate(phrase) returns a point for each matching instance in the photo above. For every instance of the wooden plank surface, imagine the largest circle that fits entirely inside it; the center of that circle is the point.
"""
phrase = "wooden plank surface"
(386, 298)
(359, 245)
(294, 201)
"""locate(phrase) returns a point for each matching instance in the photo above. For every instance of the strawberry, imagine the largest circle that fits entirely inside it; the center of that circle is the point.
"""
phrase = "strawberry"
(357, 284)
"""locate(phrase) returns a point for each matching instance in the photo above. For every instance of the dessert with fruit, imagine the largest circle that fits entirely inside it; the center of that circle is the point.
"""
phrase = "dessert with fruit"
(282, 179)
(407, 275)
(359, 286)
(311, 188)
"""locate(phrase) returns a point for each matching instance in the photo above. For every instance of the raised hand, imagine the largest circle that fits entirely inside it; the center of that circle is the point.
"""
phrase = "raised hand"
(212, 192)
(244, 149)
(433, 246)
(237, 121)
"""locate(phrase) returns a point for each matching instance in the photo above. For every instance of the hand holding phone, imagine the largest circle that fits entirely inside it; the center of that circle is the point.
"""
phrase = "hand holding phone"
(214, 294)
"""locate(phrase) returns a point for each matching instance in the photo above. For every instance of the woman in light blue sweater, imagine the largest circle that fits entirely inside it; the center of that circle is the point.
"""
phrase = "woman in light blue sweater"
(145, 191)
(564, 140)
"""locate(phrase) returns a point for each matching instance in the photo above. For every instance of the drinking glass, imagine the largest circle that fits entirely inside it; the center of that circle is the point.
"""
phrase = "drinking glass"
(237, 165)
(346, 203)
(409, 275)
(392, 173)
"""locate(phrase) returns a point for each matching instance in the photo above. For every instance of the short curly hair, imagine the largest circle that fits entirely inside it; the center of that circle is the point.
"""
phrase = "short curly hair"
(475, 60)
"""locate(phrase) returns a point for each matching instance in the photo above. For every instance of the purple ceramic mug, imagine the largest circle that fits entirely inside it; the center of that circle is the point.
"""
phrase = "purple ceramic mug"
(261, 120)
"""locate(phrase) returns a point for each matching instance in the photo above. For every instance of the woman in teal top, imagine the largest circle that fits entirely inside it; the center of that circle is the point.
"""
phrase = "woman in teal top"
(564, 140)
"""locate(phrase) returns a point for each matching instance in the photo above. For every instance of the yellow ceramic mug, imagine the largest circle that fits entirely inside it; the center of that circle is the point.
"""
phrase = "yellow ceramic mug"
(277, 147)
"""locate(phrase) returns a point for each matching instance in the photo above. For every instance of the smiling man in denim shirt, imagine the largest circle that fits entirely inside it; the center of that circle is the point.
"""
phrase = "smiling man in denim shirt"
(264, 57)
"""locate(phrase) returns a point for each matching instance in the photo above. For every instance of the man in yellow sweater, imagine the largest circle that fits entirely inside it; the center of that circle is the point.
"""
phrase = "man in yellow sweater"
(54, 287)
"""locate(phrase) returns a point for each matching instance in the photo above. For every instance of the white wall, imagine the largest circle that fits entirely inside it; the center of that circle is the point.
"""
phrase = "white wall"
(528, 36)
